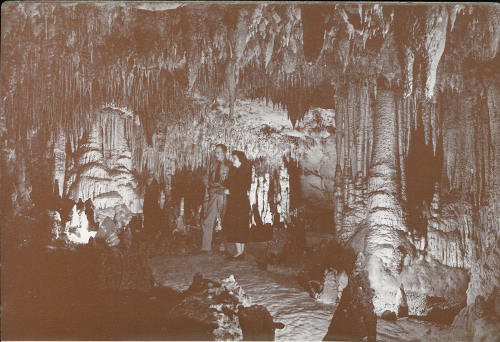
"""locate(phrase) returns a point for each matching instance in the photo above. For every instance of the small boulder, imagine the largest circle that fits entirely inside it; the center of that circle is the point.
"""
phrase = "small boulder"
(257, 323)
(388, 316)
(354, 317)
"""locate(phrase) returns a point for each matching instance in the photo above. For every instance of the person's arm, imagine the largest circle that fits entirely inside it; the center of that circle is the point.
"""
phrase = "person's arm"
(222, 184)
(206, 177)
(227, 183)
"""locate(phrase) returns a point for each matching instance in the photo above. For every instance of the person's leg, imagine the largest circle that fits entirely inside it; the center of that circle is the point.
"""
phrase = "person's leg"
(208, 224)
(239, 250)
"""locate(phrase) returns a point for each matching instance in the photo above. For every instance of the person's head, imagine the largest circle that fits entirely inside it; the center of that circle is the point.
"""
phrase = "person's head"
(238, 158)
(89, 204)
(220, 152)
(80, 204)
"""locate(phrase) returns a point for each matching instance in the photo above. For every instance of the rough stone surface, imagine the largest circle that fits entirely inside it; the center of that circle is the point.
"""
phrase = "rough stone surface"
(458, 239)
(354, 317)
(388, 316)
(432, 286)
(481, 320)
(334, 283)
(485, 265)
(215, 309)
(257, 323)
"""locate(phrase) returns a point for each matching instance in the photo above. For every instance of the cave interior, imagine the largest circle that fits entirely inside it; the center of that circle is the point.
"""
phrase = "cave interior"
(372, 131)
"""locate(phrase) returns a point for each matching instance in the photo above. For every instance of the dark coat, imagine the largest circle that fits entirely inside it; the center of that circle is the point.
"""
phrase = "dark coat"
(236, 221)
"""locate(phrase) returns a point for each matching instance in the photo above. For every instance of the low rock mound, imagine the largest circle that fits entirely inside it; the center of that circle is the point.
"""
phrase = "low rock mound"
(214, 310)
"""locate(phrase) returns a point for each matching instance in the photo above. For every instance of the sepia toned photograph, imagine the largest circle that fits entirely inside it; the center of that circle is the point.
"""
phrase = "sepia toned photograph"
(250, 171)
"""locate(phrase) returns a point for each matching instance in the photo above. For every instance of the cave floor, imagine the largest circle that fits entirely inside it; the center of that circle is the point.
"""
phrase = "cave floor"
(304, 318)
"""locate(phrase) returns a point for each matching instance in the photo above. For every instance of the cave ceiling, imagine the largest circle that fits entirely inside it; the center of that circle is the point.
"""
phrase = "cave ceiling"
(61, 62)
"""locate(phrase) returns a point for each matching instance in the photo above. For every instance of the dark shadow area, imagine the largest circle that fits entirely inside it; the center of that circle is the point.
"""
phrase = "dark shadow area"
(354, 319)
(313, 26)
(295, 187)
(188, 184)
(423, 169)
(75, 294)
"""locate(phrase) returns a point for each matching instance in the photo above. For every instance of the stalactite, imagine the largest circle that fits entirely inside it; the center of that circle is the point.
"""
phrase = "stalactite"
(339, 131)
(346, 107)
(338, 200)
(360, 147)
(400, 148)
(60, 162)
(367, 131)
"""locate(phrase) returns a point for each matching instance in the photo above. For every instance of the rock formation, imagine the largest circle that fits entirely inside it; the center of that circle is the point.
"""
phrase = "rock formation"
(355, 316)
(221, 311)
(103, 167)
(480, 320)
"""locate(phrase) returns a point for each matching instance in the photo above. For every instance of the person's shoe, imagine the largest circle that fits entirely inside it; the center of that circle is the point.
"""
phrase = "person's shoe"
(238, 256)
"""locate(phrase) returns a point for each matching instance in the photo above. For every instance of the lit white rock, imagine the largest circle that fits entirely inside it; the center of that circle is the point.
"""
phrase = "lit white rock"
(77, 229)
(103, 169)
(430, 285)
(60, 161)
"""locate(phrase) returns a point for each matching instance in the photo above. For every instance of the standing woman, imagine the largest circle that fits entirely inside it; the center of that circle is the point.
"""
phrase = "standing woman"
(236, 221)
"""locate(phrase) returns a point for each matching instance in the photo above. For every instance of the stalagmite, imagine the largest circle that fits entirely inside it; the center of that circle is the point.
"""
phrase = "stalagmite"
(284, 203)
(385, 220)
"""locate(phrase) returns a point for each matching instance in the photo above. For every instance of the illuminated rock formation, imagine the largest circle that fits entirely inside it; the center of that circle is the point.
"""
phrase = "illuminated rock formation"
(103, 166)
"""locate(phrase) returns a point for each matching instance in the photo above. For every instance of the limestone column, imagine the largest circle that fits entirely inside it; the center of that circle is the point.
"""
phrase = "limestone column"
(385, 219)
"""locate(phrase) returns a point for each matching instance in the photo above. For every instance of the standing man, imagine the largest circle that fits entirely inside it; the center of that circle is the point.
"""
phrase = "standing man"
(215, 198)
